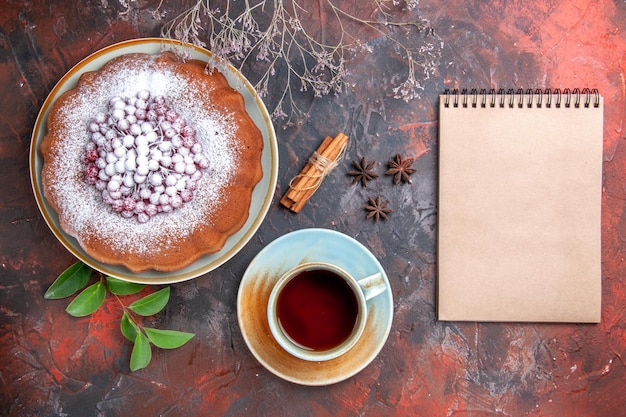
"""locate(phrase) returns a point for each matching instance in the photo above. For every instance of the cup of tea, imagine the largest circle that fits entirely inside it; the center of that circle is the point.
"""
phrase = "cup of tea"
(318, 311)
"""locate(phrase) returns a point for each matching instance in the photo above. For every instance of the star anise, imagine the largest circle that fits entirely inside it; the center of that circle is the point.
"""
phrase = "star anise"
(400, 169)
(362, 171)
(377, 208)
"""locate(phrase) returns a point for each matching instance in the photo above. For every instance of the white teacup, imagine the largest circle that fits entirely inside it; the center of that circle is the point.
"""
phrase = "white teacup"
(318, 311)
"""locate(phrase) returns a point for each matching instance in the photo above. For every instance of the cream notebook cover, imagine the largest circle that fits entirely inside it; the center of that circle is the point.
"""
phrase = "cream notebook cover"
(520, 181)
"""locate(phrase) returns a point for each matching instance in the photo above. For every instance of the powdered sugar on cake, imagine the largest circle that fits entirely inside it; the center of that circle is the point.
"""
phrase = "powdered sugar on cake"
(82, 204)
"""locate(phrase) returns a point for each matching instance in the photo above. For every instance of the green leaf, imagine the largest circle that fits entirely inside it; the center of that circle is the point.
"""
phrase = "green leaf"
(141, 354)
(167, 339)
(128, 327)
(71, 280)
(87, 301)
(119, 287)
(151, 304)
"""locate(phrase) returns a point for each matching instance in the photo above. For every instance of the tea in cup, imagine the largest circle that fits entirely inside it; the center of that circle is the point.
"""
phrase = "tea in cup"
(318, 311)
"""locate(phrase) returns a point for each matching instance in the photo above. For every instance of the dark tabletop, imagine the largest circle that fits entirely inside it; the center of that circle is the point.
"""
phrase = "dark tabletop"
(55, 364)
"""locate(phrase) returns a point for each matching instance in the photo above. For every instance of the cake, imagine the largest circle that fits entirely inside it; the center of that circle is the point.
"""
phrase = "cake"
(150, 162)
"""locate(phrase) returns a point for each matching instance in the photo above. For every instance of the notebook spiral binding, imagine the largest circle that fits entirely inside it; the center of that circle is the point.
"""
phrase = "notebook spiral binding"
(522, 98)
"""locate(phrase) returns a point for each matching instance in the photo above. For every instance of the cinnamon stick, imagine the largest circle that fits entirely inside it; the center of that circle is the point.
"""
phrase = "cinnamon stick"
(323, 160)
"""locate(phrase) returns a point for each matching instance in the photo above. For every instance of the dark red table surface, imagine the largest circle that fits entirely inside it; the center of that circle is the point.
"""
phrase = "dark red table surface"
(53, 364)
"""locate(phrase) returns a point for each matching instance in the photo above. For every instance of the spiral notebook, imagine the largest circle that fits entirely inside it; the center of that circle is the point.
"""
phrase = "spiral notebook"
(520, 180)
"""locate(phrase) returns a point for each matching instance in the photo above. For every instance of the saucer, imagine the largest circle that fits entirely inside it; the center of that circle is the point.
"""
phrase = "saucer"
(278, 257)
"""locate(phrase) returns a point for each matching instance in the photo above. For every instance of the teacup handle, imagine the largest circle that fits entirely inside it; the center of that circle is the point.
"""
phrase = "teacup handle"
(372, 285)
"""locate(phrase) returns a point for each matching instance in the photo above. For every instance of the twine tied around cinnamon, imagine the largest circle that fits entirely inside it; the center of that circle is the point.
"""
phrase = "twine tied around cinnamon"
(322, 166)
(319, 165)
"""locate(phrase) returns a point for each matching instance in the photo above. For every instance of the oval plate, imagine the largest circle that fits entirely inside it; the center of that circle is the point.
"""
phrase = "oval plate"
(261, 197)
